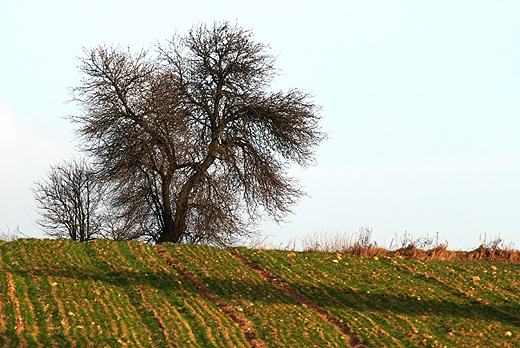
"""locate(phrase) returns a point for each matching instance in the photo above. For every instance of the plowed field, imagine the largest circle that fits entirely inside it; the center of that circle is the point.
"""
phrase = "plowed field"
(56, 293)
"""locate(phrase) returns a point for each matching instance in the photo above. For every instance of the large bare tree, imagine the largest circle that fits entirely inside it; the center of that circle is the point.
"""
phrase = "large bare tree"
(192, 138)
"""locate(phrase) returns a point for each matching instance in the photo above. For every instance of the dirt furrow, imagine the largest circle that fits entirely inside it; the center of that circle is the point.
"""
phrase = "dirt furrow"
(154, 313)
(17, 312)
(351, 338)
(58, 298)
(244, 324)
(3, 319)
(152, 309)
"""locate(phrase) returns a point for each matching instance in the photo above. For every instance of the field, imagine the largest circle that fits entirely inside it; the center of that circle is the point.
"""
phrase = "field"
(57, 293)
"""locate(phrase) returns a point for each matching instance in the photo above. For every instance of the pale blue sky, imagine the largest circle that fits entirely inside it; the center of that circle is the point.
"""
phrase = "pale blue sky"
(421, 100)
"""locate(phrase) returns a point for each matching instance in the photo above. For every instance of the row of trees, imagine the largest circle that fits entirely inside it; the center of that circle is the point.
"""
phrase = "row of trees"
(184, 144)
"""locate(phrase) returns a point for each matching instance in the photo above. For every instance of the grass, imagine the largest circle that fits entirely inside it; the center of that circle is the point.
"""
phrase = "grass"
(57, 293)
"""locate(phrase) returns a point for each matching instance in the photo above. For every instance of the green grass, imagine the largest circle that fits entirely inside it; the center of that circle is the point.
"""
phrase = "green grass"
(56, 293)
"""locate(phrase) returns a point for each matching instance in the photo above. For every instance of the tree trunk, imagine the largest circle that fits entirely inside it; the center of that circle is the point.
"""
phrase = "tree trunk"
(168, 232)
(179, 226)
(178, 222)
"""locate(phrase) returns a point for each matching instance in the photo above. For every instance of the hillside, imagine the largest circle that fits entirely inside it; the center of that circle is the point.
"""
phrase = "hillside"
(107, 294)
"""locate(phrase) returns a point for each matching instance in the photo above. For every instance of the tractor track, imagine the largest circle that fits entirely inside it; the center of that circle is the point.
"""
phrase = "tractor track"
(244, 324)
(351, 338)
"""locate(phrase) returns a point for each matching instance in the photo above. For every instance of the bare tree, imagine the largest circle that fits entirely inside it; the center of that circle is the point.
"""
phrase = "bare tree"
(191, 137)
(68, 200)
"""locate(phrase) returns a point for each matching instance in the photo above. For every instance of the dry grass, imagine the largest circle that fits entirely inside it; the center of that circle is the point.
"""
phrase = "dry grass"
(360, 244)
(424, 248)
(11, 235)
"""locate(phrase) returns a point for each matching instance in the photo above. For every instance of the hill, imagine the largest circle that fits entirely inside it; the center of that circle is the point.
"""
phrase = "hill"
(107, 294)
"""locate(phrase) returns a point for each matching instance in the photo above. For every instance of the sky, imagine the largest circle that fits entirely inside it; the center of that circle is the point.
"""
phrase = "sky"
(421, 102)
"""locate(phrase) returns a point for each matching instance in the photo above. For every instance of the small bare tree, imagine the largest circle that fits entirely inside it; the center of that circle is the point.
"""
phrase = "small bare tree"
(68, 200)
(192, 139)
